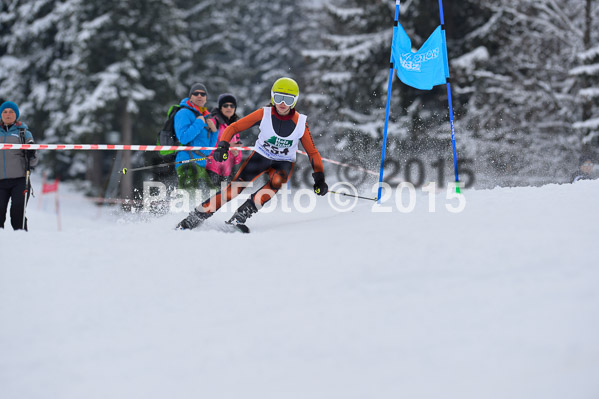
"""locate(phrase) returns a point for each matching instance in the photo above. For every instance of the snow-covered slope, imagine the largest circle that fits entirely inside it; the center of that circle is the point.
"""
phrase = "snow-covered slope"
(500, 300)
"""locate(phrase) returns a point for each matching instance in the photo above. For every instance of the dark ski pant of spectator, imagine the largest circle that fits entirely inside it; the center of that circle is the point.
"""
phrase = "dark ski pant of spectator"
(13, 189)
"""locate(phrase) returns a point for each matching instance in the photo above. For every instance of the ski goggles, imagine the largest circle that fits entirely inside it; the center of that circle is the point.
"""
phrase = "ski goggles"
(288, 99)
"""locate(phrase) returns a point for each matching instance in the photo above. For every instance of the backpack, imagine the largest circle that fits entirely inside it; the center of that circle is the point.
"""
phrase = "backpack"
(167, 135)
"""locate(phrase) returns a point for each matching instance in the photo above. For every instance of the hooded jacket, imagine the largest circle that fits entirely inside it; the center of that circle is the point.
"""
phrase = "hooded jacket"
(13, 163)
(191, 131)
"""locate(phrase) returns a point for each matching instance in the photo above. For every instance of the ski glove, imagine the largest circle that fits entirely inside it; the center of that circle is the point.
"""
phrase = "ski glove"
(320, 187)
(222, 152)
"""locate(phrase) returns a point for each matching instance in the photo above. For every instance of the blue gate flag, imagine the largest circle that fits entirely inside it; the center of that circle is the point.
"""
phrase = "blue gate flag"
(426, 67)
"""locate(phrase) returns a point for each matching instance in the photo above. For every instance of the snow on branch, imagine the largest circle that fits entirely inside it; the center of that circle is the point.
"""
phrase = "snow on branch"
(585, 70)
(336, 77)
(589, 55)
(592, 124)
(468, 61)
(590, 92)
(491, 75)
(344, 13)
(91, 28)
(486, 29)
(352, 40)
(355, 47)
(557, 17)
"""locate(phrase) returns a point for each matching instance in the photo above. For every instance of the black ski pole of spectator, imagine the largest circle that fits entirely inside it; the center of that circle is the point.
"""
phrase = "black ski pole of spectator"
(27, 190)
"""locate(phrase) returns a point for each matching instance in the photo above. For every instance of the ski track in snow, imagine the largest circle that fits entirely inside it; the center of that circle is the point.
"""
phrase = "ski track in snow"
(498, 301)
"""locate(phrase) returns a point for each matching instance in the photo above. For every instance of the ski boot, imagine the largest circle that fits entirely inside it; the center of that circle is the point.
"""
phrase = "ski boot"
(243, 213)
(193, 220)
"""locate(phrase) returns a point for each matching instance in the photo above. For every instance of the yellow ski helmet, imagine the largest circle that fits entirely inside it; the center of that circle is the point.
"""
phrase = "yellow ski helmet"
(284, 86)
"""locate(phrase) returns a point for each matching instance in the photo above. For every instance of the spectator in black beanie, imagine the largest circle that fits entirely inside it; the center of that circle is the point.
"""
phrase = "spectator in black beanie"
(224, 115)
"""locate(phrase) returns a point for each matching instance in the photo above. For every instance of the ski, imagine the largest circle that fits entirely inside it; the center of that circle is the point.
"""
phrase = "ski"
(238, 227)
(226, 227)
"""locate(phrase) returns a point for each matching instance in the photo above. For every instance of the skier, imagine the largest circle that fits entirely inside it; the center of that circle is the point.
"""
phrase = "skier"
(281, 130)
(14, 165)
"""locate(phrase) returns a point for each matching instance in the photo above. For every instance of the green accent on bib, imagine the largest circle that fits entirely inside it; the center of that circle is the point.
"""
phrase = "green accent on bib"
(278, 142)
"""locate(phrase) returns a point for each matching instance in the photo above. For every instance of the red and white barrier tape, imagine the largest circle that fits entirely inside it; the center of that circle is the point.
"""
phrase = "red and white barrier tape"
(111, 147)
(120, 147)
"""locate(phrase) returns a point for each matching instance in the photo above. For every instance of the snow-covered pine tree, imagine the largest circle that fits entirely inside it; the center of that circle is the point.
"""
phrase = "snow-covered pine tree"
(349, 76)
(587, 74)
(123, 69)
(243, 47)
(347, 79)
(28, 40)
(514, 90)
(93, 68)
(27, 30)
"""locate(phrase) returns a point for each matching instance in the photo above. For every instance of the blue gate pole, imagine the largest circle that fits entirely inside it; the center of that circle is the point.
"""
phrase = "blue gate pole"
(389, 87)
(451, 124)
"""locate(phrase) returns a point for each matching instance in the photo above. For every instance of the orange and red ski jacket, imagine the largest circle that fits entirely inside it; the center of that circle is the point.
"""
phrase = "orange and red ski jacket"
(283, 126)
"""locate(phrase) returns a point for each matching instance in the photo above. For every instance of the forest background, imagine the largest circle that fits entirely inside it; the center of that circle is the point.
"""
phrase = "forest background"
(525, 81)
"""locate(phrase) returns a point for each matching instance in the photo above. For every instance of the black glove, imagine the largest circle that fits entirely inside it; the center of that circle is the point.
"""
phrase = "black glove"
(30, 153)
(222, 152)
(320, 187)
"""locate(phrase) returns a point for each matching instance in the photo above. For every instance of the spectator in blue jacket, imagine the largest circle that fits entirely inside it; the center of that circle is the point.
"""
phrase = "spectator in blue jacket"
(194, 127)
(14, 164)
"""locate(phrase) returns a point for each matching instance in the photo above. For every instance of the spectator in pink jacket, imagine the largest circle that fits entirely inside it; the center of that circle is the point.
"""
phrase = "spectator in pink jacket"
(223, 116)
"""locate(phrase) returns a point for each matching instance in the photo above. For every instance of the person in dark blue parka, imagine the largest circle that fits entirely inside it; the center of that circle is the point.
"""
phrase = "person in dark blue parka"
(14, 165)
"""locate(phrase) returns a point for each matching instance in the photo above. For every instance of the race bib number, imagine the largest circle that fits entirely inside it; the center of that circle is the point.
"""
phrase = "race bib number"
(276, 145)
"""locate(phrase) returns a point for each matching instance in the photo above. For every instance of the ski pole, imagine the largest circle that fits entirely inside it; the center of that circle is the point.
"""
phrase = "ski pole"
(125, 170)
(352, 195)
(26, 195)
(27, 180)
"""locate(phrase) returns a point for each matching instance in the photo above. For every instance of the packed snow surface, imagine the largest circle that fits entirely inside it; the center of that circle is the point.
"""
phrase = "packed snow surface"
(500, 300)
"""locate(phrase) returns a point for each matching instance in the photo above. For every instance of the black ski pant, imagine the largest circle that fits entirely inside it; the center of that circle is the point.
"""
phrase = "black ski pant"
(253, 167)
(16, 191)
